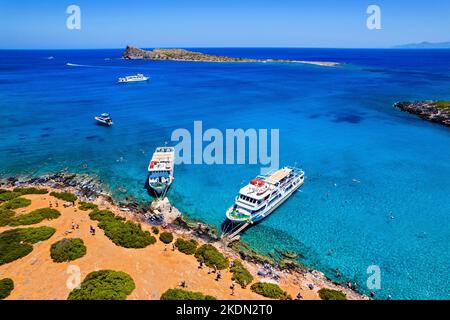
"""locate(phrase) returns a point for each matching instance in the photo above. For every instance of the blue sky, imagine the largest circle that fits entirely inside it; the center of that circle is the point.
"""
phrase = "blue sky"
(220, 23)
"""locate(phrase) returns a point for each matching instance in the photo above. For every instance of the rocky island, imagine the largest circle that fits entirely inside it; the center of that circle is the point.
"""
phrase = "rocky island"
(134, 53)
(434, 111)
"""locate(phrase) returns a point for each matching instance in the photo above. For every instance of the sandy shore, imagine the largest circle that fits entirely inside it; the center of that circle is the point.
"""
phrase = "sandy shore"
(154, 269)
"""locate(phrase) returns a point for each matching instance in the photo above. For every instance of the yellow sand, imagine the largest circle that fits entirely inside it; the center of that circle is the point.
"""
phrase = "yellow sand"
(154, 269)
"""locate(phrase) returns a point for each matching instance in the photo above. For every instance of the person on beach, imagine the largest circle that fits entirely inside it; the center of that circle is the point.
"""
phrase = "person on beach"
(173, 247)
(73, 225)
(233, 284)
(200, 265)
(299, 296)
(214, 269)
(219, 276)
(209, 270)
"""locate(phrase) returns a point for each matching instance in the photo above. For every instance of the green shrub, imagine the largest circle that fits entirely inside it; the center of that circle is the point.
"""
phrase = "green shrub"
(166, 237)
(9, 195)
(186, 246)
(17, 243)
(3, 191)
(211, 257)
(65, 196)
(30, 190)
(67, 250)
(155, 230)
(35, 216)
(5, 216)
(240, 274)
(269, 290)
(85, 206)
(104, 285)
(329, 294)
(180, 294)
(123, 233)
(16, 203)
(6, 286)
(100, 215)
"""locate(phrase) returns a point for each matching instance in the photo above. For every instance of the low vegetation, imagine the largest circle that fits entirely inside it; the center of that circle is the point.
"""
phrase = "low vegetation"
(35, 216)
(65, 196)
(269, 290)
(9, 195)
(186, 246)
(155, 230)
(240, 274)
(6, 287)
(442, 104)
(211, 257)
(85, 206)
(5, 216)
(17, 243)
(16, 203)
(67, 250)
(123, 233)
(180, 294)
(166, 237)
(330, 294)
(30, 190)
(104, 285)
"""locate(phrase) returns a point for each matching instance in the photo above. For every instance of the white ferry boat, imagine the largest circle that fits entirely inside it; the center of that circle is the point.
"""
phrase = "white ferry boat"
(264, 194)
(136, 78)
(160, 170)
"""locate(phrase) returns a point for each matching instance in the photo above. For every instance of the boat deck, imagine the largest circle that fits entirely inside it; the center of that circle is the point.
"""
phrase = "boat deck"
(278, 175)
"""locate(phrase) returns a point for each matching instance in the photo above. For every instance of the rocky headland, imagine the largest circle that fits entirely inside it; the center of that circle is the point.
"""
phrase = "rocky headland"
(134, 53)
(288, 272)
(434, 111)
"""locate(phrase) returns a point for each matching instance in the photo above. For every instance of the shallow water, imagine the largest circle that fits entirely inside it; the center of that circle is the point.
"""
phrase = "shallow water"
(377, 179)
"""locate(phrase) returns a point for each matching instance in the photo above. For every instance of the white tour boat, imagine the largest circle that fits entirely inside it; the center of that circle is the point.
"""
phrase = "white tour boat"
(160, 170)
(136, 78)
(264, 194)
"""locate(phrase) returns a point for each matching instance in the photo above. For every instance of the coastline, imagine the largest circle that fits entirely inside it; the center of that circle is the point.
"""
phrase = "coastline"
(133, 53)
(291, 276)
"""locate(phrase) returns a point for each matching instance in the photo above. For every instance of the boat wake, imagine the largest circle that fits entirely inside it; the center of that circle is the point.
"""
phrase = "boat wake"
(80, 65)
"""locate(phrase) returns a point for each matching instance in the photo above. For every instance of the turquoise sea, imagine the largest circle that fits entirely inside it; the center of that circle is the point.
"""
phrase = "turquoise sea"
(378, 180)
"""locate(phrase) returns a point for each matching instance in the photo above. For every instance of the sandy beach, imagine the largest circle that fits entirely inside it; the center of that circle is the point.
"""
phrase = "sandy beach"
(154, 269)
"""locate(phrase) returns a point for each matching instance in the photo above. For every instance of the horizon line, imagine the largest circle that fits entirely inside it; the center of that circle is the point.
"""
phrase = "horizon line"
(227, 47)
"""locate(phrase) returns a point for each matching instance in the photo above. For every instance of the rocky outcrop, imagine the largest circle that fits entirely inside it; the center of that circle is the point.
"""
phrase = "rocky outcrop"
(177, 55)
(434, 111)
(134, 53)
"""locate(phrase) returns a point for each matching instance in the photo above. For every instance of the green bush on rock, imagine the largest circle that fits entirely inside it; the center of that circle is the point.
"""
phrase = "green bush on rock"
(35, 216)
(85, 206)
(65, 196)
(104, 285)
(5, 216)
(17, 243)
(240, 274)
(330, 294)
(30, 190)
(6, 287)
(269, 290)
(67, 250)
(211, 257)
(9, 195)
(166, 237)
(186, 246)
(16, 203)
(123, 233)
(180, 294)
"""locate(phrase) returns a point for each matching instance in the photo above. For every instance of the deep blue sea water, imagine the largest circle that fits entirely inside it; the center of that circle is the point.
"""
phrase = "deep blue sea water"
(337, 123)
